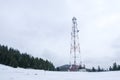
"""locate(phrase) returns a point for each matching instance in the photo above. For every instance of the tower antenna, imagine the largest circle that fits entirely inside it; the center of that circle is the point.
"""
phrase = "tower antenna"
(75, 47)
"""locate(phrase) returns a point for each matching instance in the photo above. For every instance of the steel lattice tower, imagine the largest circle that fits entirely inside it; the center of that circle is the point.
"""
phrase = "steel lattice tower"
(75, 47)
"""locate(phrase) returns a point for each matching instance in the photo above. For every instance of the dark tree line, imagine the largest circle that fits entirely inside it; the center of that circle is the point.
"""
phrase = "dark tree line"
(114, 67)
(98, 69)
(13, 57)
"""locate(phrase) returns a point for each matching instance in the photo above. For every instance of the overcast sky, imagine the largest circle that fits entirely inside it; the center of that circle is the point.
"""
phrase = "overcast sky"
(42, 29)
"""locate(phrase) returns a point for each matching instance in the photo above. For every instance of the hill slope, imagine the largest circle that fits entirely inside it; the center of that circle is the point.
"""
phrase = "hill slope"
(9, 73)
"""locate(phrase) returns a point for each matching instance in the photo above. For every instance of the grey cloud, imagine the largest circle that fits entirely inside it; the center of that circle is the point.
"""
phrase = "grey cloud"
(42, 28)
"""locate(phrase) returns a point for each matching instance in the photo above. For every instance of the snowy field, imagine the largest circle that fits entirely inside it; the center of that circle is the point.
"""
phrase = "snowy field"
(8, 73)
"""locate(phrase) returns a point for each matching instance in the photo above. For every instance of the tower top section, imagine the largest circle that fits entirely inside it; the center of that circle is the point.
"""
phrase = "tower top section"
(74, 20)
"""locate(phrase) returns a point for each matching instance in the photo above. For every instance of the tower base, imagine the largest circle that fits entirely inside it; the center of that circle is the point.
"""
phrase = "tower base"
(74, 68)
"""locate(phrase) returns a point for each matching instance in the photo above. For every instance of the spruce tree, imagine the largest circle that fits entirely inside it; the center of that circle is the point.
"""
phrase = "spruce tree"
(99, 69)
(93, 69)
(114, 66)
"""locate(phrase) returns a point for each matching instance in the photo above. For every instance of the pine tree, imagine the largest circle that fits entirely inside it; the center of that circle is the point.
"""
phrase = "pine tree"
(110, 68)
(99, 69)
(93, 69)
(118, 67)
(114, 66)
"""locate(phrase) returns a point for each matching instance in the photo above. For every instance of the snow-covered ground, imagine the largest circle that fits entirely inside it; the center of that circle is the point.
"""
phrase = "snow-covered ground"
(9, 73)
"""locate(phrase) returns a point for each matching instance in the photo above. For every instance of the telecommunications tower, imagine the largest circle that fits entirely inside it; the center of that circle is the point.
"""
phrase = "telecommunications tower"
(75, 57)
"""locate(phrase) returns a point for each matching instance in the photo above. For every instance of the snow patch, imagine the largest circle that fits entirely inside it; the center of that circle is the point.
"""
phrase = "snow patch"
(9, 73)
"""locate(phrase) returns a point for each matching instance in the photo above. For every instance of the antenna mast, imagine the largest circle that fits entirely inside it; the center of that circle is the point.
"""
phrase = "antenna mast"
(75, 47)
